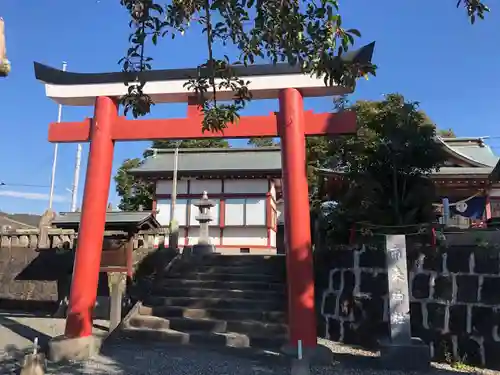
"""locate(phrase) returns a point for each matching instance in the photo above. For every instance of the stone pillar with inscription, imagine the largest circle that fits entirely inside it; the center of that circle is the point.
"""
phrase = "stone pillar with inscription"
(204, 245)
(401, 351)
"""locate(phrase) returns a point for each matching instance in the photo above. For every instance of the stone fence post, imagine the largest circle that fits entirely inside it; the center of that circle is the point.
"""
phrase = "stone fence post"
(44, 226)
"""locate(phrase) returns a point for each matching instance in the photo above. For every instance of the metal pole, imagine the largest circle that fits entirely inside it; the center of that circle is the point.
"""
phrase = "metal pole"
(174, 228)
(76, 178)
(56, 147)
(174, 183)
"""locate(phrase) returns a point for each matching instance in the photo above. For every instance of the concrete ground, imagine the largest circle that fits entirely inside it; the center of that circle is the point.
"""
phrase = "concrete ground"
(17, 332)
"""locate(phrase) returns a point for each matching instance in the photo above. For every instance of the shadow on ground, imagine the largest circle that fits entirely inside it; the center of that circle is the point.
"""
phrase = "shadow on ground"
(134, 359)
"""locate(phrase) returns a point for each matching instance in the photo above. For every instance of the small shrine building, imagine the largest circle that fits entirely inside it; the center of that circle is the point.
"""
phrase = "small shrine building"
(244, 184)
(464, 177)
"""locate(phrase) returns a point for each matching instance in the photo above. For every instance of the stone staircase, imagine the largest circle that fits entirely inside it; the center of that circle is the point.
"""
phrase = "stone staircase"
(226, 300)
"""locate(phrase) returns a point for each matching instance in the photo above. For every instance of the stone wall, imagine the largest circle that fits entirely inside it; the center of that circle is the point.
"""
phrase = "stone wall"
(36, 267)
(455, 298)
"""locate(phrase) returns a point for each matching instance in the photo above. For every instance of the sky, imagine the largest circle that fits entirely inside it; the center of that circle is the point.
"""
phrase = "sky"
(426, 50)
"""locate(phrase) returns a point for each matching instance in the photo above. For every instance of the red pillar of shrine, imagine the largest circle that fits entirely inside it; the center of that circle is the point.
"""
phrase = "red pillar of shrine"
(90, 237)
(300, 275)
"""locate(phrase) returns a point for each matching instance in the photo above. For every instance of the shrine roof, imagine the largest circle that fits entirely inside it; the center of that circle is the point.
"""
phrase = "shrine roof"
(466, 172)
(228, 161)
(114, 220)
(472, 150)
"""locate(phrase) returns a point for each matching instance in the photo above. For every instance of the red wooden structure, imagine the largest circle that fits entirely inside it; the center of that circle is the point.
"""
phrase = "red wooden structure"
(291, 124)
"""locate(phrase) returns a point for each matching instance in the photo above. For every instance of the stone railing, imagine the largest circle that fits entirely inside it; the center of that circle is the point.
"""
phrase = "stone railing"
(454, 294)
(58, 238)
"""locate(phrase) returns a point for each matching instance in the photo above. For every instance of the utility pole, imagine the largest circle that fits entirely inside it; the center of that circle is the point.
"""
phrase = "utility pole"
(56, 148)
(174, 183)
(174, 227)
(76, 178)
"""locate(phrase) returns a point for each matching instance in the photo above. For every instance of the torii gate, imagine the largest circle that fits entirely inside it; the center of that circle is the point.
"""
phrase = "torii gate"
(291, 123)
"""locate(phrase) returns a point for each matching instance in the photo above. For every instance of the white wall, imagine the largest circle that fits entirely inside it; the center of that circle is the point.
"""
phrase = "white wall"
(245, 219)
(194, 234)
(197, 187)
(163, 211)
(252, 186)
(272, 236)
(165, 187)
(245, 211)
(181, 212)
(255, 186)
(244, 236)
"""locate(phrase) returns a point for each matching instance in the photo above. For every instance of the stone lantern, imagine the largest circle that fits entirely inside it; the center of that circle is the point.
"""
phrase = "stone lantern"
(204, 245)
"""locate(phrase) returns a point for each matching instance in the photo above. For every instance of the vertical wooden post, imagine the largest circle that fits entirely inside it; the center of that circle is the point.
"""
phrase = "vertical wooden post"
(300, 277)
(90, 238)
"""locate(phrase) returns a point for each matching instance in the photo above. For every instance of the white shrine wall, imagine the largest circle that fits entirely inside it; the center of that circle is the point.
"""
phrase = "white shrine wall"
(245, 214)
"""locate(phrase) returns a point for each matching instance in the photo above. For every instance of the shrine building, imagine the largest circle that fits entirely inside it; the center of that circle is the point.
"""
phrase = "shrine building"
(465, 176)
(244, 184)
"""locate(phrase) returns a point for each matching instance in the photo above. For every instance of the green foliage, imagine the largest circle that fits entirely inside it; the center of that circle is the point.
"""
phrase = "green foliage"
(263, 142)
(309, 34)
(446, 133)
(317, 156)
(386, 165)
(188, 143)
(134, 192)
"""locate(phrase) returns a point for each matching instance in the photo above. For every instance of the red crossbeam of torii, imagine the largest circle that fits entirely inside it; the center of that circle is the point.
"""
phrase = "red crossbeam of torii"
(190, 127)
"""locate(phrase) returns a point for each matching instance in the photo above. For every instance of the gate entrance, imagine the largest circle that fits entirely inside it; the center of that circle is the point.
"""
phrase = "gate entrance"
(292, 124)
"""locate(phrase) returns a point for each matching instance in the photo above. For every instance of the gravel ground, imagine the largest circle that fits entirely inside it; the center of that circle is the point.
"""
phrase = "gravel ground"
(18, 330)
(135, 359)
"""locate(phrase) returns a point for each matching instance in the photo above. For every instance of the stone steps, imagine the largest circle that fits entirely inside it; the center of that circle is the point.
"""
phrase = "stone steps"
(236, 277)
(271, 271)
(243, 260)
(220, 303)
(219, 284)
(220, 293)
(183, 324)
(228, 339)
(211, 313)
(236, 301)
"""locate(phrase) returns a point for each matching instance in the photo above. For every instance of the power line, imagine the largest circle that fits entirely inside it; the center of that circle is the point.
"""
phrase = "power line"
(22, 185)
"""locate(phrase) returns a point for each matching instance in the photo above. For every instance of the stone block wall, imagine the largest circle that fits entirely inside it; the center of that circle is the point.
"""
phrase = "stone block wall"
(455, 299)
(36, 266)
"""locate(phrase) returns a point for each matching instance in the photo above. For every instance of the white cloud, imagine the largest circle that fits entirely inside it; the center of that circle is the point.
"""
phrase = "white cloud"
(32, 196)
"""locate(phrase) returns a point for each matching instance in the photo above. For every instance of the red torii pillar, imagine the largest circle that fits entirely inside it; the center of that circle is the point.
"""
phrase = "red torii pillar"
(292, 124)
(91, 233)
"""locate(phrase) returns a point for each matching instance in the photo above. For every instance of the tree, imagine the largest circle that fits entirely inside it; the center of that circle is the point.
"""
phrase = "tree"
(134, 192)
(386, 165)
(263, 142)
(308, 34)
(446, 133)
(192, 143)
(188, 143)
